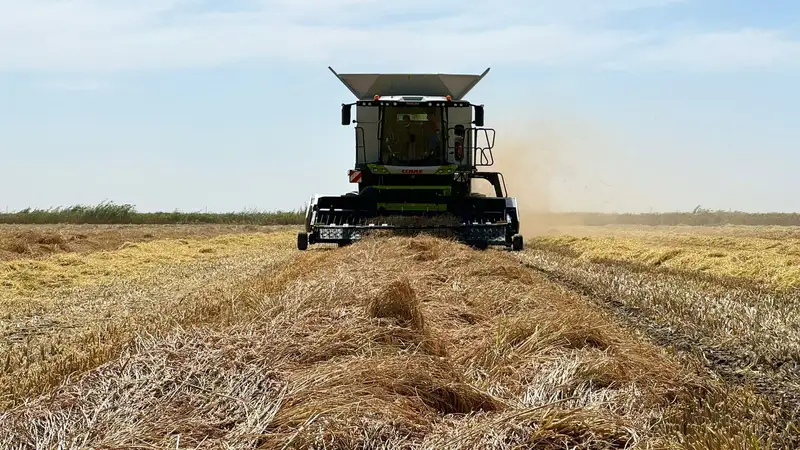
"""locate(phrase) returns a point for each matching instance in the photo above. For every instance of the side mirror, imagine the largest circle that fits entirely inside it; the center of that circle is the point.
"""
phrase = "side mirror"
(478, 116)
(346, 115)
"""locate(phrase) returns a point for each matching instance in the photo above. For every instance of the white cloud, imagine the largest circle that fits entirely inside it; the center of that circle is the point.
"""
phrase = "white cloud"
(112, 35)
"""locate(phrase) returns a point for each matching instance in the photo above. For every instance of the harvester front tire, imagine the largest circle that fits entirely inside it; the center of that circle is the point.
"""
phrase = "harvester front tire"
(480, 245)
(302, 240)
(517, 243)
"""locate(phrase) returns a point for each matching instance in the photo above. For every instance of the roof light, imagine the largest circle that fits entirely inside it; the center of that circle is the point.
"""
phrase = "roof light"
(449, 98)
(377, 97)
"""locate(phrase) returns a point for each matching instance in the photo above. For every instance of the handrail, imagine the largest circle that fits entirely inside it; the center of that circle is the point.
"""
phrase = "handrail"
(503, 180)
(482, 155)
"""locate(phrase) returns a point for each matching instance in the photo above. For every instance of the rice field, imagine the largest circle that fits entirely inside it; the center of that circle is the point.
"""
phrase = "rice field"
(211, 336)
(757, 256)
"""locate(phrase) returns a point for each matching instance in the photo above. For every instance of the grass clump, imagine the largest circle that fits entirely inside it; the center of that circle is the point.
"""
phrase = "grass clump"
(33, 242)
(398, 301)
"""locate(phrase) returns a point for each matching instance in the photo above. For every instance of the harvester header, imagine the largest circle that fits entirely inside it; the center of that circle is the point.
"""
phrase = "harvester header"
(419, 145)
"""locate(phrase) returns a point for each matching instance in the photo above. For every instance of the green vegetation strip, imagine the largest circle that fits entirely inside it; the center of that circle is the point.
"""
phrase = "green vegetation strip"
(110, 213)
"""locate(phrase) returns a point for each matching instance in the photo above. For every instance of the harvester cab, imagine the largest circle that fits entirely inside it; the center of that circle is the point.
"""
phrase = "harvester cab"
(419, 147)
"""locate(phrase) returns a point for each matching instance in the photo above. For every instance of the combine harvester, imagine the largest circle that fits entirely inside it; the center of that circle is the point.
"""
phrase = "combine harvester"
(419, 146)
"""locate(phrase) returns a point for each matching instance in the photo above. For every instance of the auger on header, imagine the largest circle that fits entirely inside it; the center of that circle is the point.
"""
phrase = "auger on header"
(419, 147)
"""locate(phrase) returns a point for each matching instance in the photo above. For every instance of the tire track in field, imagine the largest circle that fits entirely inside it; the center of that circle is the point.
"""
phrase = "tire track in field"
(778, 381)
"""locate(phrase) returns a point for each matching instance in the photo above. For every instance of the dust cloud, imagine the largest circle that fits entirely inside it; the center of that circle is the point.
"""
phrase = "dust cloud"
(550, 167)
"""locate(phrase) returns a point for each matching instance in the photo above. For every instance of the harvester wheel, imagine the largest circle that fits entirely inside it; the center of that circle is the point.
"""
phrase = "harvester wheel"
(517, 243)
(302, 240)
(480, 245)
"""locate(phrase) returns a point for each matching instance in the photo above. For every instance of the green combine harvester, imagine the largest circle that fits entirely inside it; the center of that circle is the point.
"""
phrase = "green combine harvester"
(419, 146)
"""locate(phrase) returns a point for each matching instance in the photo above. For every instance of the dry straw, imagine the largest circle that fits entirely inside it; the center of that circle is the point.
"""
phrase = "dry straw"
(390, 343)
(153, 287)
(765, 258)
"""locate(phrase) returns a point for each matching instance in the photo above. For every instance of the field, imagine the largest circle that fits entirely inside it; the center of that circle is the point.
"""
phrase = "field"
(226, 336)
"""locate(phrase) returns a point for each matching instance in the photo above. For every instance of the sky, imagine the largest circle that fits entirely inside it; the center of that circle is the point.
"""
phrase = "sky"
(601, 105)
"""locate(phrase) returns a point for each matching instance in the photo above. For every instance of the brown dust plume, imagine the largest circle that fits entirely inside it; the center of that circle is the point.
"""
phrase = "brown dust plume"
(541, 163)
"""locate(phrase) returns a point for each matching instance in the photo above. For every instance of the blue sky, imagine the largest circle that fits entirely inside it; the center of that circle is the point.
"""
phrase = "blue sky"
(612, 105)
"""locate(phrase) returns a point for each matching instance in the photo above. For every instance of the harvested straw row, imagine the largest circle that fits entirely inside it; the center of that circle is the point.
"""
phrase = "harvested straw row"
(395, 343)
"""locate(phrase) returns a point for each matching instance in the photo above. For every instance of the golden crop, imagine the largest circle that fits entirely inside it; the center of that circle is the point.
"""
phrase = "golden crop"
(765, 258)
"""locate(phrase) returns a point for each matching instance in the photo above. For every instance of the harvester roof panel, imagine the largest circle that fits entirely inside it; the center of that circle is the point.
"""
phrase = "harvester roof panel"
(365, 85)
